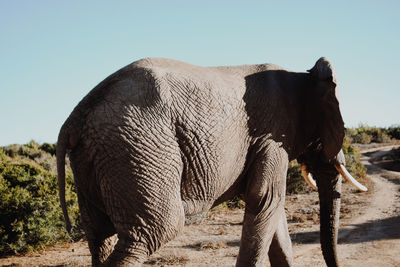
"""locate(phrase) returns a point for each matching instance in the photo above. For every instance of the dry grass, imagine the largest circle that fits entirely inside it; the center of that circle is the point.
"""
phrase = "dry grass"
(169, 261)
(212, 245)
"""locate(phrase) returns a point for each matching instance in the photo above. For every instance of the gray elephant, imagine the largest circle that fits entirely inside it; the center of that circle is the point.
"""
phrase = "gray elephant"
(161, 139)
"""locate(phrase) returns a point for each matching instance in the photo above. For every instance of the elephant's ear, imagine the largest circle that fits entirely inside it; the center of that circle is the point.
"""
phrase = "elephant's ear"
(331, 125)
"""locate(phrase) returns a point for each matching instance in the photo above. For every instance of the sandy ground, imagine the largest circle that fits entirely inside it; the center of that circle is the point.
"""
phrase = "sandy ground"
(369, 234)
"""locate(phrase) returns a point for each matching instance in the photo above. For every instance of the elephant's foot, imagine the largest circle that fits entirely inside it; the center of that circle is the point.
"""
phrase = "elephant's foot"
(280, 251)
(127, 253)
(100, 250)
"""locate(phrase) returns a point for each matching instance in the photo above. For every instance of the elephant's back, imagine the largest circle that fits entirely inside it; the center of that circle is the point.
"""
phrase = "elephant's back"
(151, 81)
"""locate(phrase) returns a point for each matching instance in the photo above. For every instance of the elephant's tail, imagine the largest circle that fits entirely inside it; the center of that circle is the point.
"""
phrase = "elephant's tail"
(62, 145)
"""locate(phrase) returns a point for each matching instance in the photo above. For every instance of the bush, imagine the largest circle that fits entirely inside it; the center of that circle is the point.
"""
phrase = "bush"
(394, 132)
(49, 148)
(362, 138)
(353, 163)
(30, 150)
(366, 135)
(295, 183)
(31, 216)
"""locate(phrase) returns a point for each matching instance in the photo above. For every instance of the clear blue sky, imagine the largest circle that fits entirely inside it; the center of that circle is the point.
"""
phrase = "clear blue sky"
(52, 53)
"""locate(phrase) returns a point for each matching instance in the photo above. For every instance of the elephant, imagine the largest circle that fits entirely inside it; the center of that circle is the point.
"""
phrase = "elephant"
(161, 139)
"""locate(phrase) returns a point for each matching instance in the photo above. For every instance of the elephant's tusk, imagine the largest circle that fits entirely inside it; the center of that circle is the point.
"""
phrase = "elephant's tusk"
(308, 177)
(342, 170)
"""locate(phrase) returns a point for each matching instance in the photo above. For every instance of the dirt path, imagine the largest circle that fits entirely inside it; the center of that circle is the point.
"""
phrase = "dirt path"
(371, 237)
(369, 234)
(374, 239)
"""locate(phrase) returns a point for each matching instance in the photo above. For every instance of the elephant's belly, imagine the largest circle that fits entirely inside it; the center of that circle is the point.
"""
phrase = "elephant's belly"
(202, 186)
(193, 206)
(213, 159)
(198, 191)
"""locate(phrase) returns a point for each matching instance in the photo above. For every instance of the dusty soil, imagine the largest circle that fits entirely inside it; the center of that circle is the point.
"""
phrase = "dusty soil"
(369, 234)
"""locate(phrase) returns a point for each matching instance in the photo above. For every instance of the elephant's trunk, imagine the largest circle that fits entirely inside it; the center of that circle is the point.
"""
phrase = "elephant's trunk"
(329, 190)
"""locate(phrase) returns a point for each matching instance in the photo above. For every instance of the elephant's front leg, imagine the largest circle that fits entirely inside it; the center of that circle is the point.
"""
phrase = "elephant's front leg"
(264, 197)
(280, 251)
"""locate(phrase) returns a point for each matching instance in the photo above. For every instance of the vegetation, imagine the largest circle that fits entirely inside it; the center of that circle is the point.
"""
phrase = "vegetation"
(235, 203)
(31, 216)
(366, 134)
(394, 132)
(295, 183)
(353, 163)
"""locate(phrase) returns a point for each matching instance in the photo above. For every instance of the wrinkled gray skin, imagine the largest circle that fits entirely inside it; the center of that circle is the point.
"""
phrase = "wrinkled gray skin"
(161, 139)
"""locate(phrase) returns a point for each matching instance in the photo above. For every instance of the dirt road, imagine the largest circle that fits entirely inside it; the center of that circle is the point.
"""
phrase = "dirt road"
(371, 237)
(369, 234)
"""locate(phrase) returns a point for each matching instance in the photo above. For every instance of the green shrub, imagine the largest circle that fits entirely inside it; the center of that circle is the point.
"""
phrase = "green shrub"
(11, 150)
(295, 183)
(235, 203)
(49, 148)
(379, 135)
(366, 135)
(362, 138)
(353, 163)
(383, 138)
(394, 132)
(30, 150)
(31, 216)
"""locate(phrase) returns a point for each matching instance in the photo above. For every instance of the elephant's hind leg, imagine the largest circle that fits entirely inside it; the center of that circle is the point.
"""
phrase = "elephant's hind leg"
(145, 229)
(144, 204)
(101, 248)
(99, 231)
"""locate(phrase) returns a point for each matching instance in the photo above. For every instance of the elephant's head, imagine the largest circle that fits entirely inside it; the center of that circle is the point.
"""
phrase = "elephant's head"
(323, 158)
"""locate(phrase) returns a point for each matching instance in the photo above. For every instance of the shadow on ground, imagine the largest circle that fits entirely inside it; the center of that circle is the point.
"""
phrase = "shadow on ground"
(391, 177)
(388, 228)
(212, 245)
